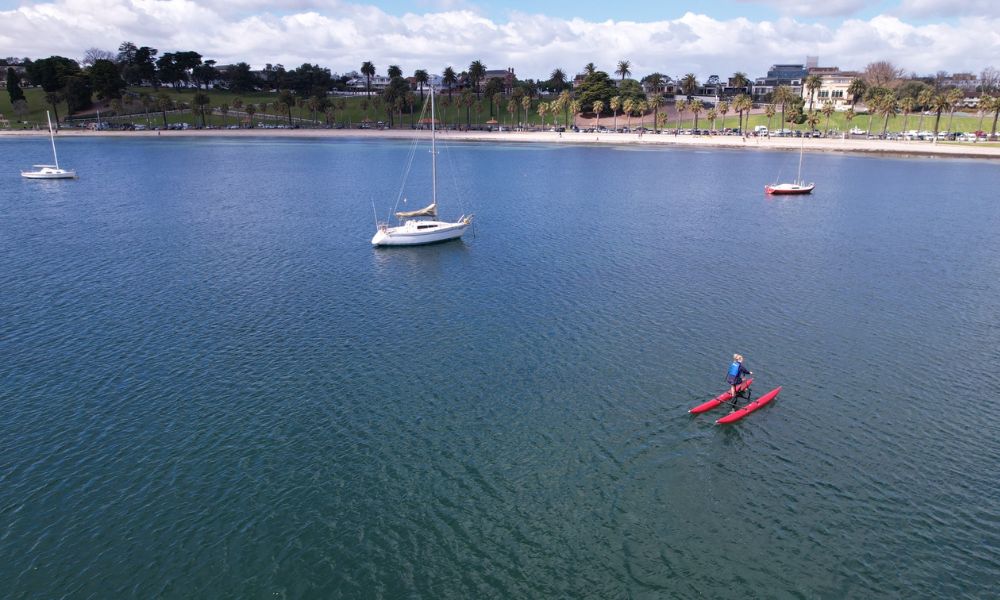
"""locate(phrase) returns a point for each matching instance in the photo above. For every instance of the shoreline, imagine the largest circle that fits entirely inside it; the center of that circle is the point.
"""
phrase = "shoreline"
(849, 146)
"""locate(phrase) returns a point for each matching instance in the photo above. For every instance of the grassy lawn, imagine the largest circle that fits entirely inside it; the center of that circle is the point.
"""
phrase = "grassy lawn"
(351, 111)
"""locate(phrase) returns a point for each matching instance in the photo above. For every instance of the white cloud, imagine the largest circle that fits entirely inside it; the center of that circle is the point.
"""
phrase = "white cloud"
(340, 36)
(948, 8)
(814, 8)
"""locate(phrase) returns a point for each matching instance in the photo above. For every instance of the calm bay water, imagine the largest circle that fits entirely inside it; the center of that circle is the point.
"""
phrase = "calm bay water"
(212, 386)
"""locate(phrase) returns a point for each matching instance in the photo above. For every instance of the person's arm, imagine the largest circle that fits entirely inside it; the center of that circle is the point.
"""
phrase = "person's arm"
(744, 370)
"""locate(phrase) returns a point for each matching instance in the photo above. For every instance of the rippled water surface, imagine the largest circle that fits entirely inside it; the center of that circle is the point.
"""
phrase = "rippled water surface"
(212, 386)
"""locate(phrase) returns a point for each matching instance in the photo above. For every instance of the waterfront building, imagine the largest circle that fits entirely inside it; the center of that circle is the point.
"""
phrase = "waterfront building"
(791, 75)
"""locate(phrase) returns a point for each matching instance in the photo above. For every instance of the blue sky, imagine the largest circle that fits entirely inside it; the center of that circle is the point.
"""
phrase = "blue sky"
(712, 37)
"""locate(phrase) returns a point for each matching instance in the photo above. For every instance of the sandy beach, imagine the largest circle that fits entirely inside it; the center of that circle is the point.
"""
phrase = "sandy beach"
(854, 146)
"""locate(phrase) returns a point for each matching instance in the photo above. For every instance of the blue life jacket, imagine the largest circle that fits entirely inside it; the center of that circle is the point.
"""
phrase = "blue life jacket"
(734, 369)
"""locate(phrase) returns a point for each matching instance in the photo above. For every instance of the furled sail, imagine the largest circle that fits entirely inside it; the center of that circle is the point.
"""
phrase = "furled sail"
(427, 211)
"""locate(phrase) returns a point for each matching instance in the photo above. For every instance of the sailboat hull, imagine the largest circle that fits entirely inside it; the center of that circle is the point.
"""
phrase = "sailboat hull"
(418, 233)
(787, 189)
(49, 173)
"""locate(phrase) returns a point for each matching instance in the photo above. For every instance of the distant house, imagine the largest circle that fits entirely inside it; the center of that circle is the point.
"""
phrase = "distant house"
(506, 76)
(834, 84)
(358, 85)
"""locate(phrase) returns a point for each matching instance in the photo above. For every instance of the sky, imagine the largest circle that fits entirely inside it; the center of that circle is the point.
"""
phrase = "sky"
(709, 37)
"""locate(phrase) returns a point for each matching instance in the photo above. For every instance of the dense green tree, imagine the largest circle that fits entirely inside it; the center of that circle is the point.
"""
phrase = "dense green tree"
(205, 73)
(310, 80)
(596, 87)
(106, 79)
(14, 86)
(241, 78)
(631, 89)
(53, 74)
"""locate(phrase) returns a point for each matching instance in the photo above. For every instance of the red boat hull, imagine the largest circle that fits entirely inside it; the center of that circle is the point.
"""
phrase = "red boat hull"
(723, 397)
(749, 408)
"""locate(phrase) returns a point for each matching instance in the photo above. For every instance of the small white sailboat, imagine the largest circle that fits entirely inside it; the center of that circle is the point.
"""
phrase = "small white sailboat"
(420, 226)
(50, 171)
(796, 187)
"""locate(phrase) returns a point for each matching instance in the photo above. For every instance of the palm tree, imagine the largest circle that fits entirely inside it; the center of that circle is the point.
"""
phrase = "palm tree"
(828, 111)
(813, 82)
(939, 105)
(574, 108)
(238, 106)
(723, 108)
(924, 100)
(907, 105)
(743, 103)
(983, 107)
(526, 105)
(164, 103)
(955, 96)
(543, 107)
(655, 100)
(477, 70)
(887, 107)
(497, 98)
(558, 79)
(812, 119)
(394, 71)
(849, 117)
(681, 106)
(623, 69)
(655, 82)
(857, 89)
(201, 100)
(589, 68)
(995, 107)
(783, 95)
(769, 111)
(449, 79)
(598, 109)
(689, 83)
(628, 106)
(251, 109)
(147, 101)
(368, 70)
(564, 103)
(224, 109)
(711, 115)
(616, 104)
(740, 80)
(420, 76)
(695, 107)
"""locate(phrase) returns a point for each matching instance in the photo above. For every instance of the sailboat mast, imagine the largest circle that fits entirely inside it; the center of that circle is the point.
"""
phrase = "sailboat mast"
(52, 138)
(434, 193)
(802, 145)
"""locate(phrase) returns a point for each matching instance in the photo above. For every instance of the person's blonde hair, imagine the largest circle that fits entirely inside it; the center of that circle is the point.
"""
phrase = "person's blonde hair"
(738, 357)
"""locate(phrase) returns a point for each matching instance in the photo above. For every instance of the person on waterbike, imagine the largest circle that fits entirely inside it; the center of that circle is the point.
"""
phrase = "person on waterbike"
(735, 376)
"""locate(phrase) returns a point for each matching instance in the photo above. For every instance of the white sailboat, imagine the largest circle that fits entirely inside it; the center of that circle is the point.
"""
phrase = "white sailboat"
(50, 171)
(420, 226)
(796, 187)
